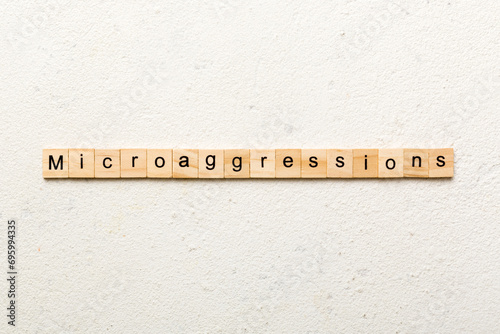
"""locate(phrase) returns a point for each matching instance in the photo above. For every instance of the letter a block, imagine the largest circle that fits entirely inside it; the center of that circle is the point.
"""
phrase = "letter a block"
(185, 163)
(55, 163)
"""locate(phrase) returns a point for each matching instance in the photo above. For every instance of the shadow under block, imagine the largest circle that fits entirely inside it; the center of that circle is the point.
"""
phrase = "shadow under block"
(262, 163)
(441, 162)
(416, 163)
(288, 163)
(237, 164)
(55, 163)
(81, 163)
(313, 163)
(211, 164)
(185, 163)
(107, 164)
(365, 163)
(339, 163)
(159, 163)
(390, 163)
(133, 163)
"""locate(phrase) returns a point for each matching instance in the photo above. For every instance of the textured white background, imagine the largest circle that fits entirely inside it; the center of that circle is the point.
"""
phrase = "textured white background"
(252, 256)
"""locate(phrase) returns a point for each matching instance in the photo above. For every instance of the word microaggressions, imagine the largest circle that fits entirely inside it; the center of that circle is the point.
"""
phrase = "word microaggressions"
(247, 163)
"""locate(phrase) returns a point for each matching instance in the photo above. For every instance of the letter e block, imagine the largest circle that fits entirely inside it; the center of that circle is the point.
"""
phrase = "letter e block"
(288, 162)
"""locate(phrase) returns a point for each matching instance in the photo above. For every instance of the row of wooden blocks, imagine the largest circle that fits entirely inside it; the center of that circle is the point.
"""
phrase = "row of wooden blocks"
(245, 163)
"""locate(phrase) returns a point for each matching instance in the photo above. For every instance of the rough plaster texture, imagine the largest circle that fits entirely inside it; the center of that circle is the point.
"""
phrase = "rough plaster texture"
(252, 256)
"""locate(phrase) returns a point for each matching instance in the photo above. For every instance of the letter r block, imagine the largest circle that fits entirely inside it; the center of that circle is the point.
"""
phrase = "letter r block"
(133, 163)
(262, 164)
(55, 163)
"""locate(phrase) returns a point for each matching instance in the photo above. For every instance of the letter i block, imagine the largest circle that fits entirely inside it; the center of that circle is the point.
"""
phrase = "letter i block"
(237, 164)
(262, 164)
(107, 164)
(390, 163)
(159, 163)
(133, 163)
(416, 163)
(365, 163)
(313, 163)
(55, 163)
(339, 163)
(81, 163)
(185, 163)
(288, 163)
(211, 164)
(441, 162)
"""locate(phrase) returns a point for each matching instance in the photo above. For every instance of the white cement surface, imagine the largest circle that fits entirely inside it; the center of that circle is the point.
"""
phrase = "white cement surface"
(250, 256)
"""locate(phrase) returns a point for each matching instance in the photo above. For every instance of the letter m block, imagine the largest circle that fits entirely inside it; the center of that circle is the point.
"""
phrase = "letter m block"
(55, 163)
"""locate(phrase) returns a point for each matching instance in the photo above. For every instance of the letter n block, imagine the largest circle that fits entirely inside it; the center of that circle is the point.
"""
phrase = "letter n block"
(55, 163)
(416, 163)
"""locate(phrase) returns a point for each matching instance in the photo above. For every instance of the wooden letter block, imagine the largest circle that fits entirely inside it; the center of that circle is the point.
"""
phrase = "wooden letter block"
(262, 163)
(313, 163)
(441, 162)
(211, 164)
(288, 162)
(390, 163)
(365, 163)
(185, 163)
(237, 164)
(416, 163)
(133, 163)
(339, 163)
(107, 164)
(81, 163)
(55, 163)
(159, 163)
